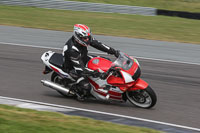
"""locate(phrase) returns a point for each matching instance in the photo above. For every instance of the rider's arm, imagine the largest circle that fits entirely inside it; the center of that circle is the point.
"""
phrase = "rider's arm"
(100, 46)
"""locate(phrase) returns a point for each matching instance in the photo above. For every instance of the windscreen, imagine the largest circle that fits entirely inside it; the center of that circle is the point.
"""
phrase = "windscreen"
(123, 61)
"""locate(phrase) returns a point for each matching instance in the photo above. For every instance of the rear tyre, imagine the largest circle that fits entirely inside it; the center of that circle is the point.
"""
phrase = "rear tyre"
(142, 98)
(58, 80)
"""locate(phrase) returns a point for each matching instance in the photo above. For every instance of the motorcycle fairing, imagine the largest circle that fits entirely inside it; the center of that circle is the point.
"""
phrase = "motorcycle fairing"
(121, 83)
(101, 92)
(46, 57)
(99, 63)
(128, 61)
(115, 80)
(127, 77)
(139, 85)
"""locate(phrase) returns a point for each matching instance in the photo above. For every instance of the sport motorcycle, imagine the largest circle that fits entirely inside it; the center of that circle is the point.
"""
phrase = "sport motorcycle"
(121, 82)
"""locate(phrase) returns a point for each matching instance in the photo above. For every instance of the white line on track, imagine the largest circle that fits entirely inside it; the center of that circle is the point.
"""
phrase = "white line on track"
(99, 112)
(173, 61)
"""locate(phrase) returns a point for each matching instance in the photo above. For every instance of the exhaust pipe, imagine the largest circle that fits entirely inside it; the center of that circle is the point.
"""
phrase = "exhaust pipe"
(55, 86)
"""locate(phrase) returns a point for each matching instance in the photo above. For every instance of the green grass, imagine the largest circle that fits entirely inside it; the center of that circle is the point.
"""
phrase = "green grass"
(177, 5)
(18, 120)
(135, 26)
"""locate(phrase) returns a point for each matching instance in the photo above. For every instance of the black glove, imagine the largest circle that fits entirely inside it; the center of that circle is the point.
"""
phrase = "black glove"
(117, 52)
(103, 76)
(96, 74)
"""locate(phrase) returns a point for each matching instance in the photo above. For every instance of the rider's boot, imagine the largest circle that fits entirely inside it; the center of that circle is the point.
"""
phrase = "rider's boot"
(83, 90)
(79, 93)
(83, 95)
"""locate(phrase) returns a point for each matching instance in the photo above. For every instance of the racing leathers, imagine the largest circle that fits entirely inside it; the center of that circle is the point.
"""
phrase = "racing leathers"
(75, 60)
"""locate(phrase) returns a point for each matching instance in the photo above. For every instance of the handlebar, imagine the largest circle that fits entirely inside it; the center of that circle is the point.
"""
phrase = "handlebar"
(102, 75)
(111, 69)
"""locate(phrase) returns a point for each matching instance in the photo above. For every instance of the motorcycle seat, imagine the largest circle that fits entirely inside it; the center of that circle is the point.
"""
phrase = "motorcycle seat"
(57, 60)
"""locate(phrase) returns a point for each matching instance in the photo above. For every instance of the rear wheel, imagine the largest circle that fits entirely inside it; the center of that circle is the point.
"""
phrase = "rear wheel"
(142, 98)
(58, 80)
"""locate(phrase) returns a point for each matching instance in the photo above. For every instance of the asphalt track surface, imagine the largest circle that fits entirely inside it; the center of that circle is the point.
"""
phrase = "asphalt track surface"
(176, 85)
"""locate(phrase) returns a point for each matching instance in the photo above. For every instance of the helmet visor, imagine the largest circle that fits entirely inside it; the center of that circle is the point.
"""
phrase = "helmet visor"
(86, 39)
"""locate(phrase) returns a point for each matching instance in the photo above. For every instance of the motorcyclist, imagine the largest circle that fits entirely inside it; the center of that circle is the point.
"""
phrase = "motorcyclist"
(76, 54)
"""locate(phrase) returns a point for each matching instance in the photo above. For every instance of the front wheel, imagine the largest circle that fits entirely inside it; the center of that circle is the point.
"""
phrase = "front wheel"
(142, 98)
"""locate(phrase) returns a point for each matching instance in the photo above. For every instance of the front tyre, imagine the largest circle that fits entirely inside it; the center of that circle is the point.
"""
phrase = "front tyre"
(142, 98)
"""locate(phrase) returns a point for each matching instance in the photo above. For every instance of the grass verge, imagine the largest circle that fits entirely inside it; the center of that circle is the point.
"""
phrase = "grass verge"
(136, 26)
(18, 120)
(177, 5)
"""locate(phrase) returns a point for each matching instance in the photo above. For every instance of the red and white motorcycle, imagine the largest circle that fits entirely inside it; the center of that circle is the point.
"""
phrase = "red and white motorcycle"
(122, 79)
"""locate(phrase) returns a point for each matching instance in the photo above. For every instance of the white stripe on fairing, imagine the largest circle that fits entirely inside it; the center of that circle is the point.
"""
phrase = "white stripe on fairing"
(99, 112)
(164, 60)
(128, 78)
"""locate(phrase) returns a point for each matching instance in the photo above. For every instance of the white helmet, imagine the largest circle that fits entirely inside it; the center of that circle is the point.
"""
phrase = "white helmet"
(82, 34)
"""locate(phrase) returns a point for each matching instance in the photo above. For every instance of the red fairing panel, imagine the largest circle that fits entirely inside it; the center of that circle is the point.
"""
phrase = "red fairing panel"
(115, 80)
(99, 62)
(56, 70)
(139, 85)
(94, 84)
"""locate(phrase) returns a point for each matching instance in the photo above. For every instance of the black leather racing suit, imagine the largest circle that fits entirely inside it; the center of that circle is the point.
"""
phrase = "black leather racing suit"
(75, 60)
